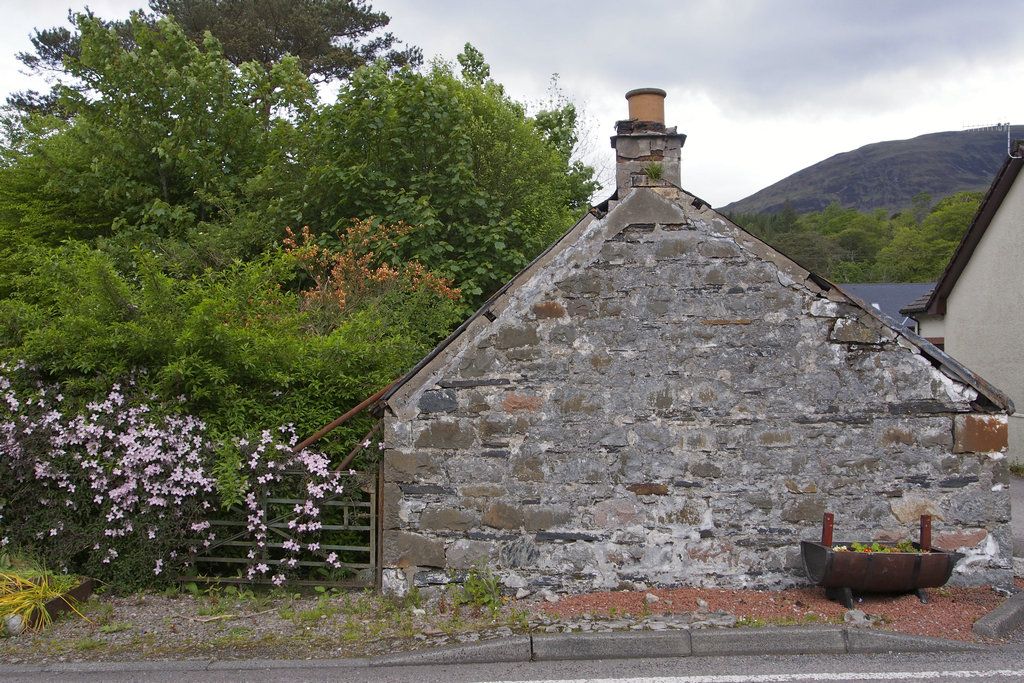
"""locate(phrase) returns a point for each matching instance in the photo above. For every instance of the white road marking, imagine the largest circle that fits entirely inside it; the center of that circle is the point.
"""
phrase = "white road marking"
(1013, 674)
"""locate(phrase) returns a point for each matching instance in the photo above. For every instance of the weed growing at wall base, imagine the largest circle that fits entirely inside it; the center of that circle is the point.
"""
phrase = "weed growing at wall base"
(480, 589)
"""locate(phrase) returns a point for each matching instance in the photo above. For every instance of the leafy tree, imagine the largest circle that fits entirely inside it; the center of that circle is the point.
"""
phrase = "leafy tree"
(460, 159)
(862, 236)
(848, 246)
(166, 145)
(475, 70)
(330, 38)
(53, 49)
(786, 220)
(558, 121)
(948, 219)
(812, 250)
(240, 345)
(919, 253)
(921, 206)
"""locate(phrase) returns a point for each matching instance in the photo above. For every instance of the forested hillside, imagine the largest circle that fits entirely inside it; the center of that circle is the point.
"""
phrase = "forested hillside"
(888, 175)
(846, 245)
(203, 263)
(887, 212)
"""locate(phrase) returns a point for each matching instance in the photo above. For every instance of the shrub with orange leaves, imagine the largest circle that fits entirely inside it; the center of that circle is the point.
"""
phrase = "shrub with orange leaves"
(364, 267)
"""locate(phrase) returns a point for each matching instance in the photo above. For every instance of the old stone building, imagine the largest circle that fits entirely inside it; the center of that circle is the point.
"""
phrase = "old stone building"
(663, 399)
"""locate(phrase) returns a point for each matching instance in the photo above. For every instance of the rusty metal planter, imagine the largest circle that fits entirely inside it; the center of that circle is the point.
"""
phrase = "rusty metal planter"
(842, 572)
(57, 606)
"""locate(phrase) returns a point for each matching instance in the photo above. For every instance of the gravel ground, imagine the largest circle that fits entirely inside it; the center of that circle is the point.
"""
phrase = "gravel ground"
(223, 624)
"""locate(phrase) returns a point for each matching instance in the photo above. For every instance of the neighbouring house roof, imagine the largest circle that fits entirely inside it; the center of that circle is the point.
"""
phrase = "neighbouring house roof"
(890, 298)
(918, 305)
(935, 302)
(655, 199)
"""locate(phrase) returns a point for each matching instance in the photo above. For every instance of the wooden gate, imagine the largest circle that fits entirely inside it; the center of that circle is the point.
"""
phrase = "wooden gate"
(348, 552)
(349, 532)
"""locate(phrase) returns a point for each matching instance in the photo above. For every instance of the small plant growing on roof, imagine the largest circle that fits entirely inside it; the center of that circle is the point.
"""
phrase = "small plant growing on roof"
(654, 170)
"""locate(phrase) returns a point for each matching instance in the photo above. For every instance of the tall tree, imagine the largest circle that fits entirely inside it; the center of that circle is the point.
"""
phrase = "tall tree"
(920, 252)
(54, 48)
(331, 38)
(455, 156)
(163, 141)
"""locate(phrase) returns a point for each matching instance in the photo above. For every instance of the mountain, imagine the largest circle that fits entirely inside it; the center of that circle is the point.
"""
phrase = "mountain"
(887, 175)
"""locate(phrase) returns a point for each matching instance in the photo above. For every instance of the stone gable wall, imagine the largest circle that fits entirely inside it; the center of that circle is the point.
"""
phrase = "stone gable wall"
(675, 408)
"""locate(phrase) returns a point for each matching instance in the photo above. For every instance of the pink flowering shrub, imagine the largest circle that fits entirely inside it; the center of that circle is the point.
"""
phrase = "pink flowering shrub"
(287, 536)
(125, 493)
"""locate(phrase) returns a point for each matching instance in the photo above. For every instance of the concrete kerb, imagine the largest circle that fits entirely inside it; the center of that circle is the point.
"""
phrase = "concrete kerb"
(1003, 619)
(510, 649)
(868, 641)
(611, 645)
(771, 640)
(183, 666)
(11, 670)
(790, 640)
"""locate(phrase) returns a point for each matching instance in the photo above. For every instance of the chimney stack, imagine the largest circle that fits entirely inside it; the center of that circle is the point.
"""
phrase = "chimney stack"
(643, 145)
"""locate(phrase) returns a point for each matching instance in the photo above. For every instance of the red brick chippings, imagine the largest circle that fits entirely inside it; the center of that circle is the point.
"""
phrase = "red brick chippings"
(950, 613)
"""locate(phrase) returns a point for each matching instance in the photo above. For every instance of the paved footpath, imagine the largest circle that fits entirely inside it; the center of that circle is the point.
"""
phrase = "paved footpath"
(551, 647)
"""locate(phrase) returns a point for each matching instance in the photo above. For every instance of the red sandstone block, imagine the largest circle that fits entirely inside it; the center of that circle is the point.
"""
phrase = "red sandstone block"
(517, 402)
(548, 309)
(979, 433)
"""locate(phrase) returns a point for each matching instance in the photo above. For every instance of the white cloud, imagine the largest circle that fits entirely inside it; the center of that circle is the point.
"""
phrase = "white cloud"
(762, 89)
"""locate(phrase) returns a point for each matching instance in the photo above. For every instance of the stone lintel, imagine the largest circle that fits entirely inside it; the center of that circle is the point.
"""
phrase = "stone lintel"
(564, 536)
(466, 383)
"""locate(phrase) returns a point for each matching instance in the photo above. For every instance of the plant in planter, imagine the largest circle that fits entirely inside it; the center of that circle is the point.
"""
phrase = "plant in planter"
(876, 547)
(31, 598)
(844, 567)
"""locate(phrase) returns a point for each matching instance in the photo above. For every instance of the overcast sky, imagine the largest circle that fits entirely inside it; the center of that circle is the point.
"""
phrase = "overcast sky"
(761, 88)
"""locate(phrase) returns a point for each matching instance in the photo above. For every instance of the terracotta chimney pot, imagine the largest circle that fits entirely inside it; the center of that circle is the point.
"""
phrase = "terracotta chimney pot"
(643, 143)
(647, 104)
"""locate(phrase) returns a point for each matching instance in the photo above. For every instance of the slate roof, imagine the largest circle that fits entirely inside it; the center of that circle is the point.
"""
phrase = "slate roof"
(890, 298)
(919, 304)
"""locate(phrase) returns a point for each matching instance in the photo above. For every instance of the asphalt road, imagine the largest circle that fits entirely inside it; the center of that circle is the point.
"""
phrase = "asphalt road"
(994, 664)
